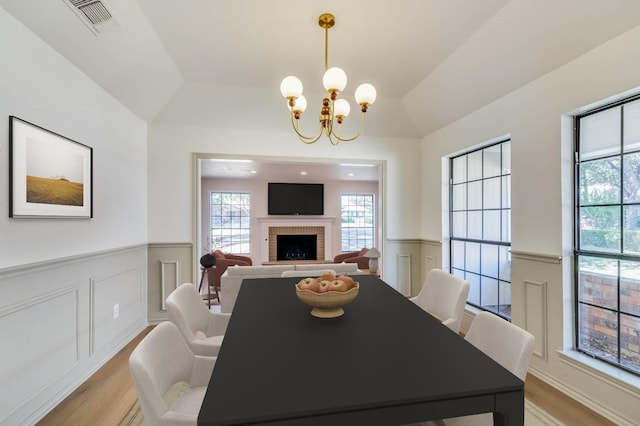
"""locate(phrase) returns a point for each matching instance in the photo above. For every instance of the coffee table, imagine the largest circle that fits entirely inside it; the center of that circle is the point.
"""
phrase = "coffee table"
(384, 362)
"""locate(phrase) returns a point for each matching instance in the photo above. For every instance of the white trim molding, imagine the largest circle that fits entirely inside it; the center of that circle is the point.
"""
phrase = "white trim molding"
(536, 257)
(535, 314)
(403, 268)
(609, 375)
(164, 265)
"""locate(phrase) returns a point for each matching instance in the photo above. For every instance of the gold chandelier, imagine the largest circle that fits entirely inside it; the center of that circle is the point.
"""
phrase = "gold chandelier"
(333, 110)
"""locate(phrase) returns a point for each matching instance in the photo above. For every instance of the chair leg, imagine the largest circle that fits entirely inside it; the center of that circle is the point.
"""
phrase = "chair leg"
(211, 286)
(204, 273)
(216, 295)
(208, 292)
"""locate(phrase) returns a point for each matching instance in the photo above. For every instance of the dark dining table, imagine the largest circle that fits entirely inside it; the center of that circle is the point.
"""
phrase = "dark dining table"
(384, 362)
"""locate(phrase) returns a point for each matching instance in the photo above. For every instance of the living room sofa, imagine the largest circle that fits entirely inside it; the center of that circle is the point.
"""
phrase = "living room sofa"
(231, 280)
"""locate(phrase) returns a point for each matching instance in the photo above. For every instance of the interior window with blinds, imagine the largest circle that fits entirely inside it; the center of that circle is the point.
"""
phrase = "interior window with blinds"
(607, 234)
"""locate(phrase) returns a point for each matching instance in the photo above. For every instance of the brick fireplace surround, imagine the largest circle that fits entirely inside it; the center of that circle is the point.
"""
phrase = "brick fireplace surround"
(272, 227)
(274, 231)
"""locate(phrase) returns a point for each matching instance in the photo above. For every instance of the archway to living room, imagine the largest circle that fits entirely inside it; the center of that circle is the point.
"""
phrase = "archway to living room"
(251, 174)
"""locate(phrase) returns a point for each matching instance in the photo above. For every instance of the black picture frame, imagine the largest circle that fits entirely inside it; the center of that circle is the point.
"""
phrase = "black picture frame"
(50, 175)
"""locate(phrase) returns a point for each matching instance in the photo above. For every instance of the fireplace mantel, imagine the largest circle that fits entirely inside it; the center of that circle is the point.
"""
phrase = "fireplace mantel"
(299, 220)
(326, 222)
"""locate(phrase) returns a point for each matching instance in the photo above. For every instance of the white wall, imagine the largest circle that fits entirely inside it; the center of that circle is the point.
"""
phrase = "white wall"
(172, 178)
(258, 190)
(541, 171)
(40, 86)
(60, 278)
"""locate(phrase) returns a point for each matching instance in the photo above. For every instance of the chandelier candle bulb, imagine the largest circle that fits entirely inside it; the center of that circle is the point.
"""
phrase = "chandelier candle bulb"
(291, 87)
(341, 109)
(334, 81)
(299, 105)
(365, 94)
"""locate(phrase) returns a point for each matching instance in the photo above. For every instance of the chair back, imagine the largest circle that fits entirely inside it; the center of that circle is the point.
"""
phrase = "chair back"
(444, 295)
(187, 310)
(313, 273)
(508, 344)
(159, 361)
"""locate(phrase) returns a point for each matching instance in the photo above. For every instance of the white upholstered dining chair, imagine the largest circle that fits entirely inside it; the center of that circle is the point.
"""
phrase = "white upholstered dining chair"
(313, 273)
(507, 344)
(169, 379)
(202, 329)
(444, 296)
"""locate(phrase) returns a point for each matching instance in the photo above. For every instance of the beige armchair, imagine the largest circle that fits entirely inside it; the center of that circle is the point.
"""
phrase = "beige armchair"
(202, 329)
(169, 379)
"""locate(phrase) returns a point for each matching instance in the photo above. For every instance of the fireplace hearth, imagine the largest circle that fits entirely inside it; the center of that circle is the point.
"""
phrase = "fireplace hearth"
(297, 247)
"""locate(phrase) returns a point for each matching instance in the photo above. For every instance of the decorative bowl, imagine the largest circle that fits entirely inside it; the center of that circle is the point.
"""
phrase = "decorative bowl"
(328, 304)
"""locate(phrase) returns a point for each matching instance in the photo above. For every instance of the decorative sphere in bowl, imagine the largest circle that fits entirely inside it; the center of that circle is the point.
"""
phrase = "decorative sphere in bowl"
(326, 303)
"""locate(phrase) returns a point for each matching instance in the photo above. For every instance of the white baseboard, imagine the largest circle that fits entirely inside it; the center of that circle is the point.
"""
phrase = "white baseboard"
(614, 417)
(56, 399)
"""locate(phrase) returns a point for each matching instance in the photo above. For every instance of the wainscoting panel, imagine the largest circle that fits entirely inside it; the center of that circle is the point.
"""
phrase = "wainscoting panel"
(116, 300)
(404, 273)
(39, 344)
(536, 314)
(169, 280)
(170, 264)
(402, 264)
(431, 252)
(57, 325)
(430, 263)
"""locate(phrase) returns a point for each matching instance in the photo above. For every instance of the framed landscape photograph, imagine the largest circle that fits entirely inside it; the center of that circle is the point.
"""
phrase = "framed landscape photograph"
(50, 175)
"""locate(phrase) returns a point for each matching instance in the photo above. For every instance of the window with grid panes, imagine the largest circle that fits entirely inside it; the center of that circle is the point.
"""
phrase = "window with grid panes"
(480, 225)
(607, 237)
(231, 222)
(357, 221)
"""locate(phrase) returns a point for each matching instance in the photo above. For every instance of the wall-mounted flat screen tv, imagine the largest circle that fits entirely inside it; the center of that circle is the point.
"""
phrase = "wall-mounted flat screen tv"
(296, 198)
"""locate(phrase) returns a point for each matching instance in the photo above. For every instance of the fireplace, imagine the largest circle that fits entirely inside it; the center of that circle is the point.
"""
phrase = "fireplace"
(297, 247)
(271, 227)
(275, 234)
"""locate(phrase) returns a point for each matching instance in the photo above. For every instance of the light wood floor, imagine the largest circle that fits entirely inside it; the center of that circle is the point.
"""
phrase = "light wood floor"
(106, 397)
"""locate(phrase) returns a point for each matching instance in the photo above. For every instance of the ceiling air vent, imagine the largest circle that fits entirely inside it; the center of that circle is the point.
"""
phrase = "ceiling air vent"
(95, 14)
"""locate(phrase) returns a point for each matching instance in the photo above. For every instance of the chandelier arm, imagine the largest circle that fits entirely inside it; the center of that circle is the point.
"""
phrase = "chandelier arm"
(329, 132)
(309, 141)
(337, 136)
(330, 136)
(303, 138)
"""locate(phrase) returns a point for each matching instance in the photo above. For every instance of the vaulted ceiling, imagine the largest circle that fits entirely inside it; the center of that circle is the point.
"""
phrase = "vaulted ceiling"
(220, 62)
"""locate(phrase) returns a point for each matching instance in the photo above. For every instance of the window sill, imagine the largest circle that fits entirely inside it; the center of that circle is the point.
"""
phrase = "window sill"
(609, 374)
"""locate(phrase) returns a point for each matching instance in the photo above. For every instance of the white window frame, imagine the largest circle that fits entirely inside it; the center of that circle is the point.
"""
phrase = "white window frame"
(365, 235)
(230, 224)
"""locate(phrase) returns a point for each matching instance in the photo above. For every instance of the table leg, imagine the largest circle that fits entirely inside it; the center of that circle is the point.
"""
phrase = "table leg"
(509, 409)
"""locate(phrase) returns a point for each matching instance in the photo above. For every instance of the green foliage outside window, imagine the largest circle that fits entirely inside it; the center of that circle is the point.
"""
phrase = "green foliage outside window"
(608, 234)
